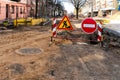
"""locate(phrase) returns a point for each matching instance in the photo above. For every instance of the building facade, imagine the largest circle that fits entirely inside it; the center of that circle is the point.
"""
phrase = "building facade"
(106, 6)
(12, 9)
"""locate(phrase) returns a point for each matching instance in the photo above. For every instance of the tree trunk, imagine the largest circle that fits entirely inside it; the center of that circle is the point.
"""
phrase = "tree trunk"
(77, 9)
(54, 13)
(36, 12)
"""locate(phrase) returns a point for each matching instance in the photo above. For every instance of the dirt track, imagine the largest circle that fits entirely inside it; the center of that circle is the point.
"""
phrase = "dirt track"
(60, 61)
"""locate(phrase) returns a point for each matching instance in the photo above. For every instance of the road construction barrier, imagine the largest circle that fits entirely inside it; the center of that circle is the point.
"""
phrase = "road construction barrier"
(54, 28)
(29, 21)
(99, 32)
(20, 22)
(54, 31)
(102, 21)
(38, 21)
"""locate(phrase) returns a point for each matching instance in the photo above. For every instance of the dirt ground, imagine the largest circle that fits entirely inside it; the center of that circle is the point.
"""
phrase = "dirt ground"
(63, 60)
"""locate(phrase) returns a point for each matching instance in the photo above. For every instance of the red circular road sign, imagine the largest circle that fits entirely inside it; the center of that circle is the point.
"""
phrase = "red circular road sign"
(89, 26)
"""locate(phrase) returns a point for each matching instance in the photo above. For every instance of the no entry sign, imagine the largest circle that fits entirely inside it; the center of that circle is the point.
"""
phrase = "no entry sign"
(89, 26)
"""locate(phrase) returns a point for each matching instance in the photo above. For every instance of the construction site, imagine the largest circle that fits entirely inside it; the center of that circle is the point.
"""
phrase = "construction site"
(31, 50)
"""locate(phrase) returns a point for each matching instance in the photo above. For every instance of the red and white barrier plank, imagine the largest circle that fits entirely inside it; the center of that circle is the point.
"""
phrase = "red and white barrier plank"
(99, 32)
(54, 28)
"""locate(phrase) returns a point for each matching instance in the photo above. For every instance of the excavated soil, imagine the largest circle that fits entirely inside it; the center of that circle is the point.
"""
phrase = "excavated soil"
(63, 59)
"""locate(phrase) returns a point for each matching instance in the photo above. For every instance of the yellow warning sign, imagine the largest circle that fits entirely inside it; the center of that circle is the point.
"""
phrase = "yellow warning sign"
(65, 24)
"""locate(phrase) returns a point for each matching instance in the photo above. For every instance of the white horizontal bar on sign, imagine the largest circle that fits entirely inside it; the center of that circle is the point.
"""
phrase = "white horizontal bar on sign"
(89, 25)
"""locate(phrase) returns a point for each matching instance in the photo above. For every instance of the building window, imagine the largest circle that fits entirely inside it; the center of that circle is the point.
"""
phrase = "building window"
(24, 10)
(21, 10)
(12, 9)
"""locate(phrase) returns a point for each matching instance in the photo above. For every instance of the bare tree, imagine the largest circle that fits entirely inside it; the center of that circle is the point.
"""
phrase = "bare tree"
(78, 4)
(52, 4)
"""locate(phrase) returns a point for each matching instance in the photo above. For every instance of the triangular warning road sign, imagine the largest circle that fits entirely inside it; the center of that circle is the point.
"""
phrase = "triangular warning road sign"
(65, 24)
